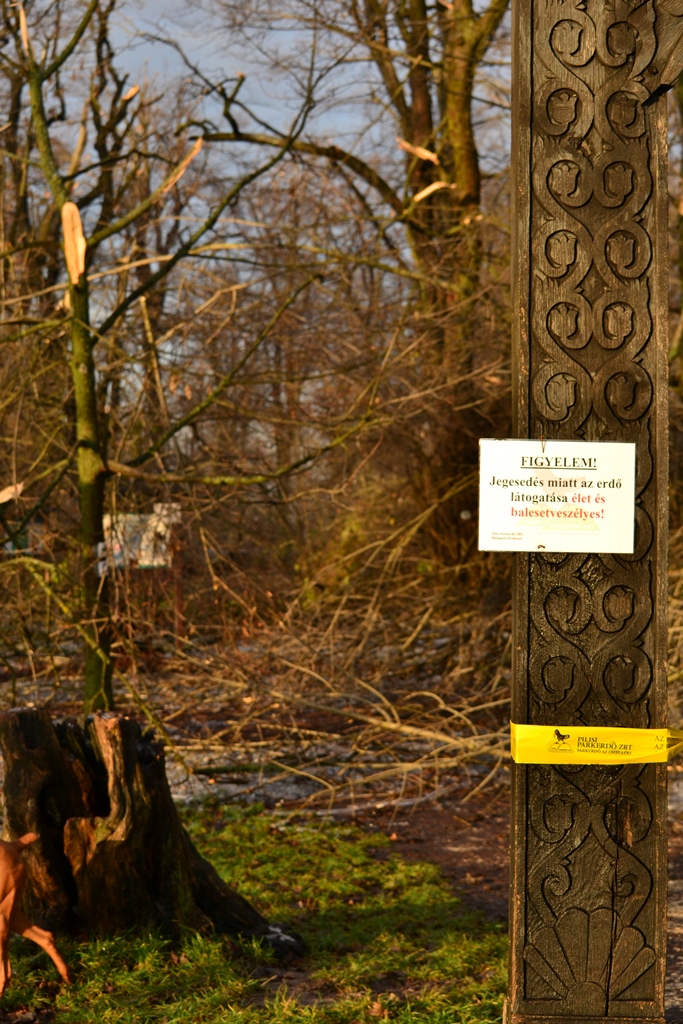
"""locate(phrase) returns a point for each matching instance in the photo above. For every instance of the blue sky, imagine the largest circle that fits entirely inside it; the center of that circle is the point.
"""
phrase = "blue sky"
(209, 45)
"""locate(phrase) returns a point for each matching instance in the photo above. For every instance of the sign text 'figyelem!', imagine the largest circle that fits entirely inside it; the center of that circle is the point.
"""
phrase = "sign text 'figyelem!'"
(556, 496)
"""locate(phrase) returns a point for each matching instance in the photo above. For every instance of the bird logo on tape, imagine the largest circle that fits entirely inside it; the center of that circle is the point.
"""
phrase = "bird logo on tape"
(560, 742)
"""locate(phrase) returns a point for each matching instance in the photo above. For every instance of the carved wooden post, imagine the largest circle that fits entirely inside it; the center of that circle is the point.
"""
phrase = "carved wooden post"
(589, 843)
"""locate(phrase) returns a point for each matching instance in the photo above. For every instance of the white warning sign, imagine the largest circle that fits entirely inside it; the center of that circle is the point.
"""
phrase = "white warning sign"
(556, 496)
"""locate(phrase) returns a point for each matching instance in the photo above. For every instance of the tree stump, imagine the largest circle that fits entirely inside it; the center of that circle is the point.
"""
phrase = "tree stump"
(113, 853)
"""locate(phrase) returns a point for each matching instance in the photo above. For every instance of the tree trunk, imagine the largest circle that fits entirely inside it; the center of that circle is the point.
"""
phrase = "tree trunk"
(91, 484)
(113, 853)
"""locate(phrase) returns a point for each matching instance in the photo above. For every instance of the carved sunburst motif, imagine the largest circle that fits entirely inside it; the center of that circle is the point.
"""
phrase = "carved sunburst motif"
(586, 958)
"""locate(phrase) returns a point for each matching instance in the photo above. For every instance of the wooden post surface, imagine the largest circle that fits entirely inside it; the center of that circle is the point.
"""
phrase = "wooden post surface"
(588, 897)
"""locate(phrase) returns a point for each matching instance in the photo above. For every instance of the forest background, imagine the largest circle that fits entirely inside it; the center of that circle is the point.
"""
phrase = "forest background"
(255, 274)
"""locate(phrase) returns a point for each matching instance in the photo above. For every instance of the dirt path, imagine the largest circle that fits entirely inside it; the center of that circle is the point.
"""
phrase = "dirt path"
(469, 843)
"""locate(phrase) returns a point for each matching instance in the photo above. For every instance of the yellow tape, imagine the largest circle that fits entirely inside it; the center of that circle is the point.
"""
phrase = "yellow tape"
(569, 744)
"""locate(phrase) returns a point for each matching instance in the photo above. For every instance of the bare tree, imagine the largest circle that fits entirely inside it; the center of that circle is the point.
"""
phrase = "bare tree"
(127, 195)
(420, 63)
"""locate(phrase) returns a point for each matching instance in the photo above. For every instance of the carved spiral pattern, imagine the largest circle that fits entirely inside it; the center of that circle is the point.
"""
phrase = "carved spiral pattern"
(591, 368)
(590, 325)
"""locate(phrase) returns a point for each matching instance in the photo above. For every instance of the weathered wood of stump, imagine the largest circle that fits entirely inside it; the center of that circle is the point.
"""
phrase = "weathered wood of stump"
(113, 853)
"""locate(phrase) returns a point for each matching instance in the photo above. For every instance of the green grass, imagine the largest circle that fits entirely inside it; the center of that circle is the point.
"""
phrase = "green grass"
(387, 940)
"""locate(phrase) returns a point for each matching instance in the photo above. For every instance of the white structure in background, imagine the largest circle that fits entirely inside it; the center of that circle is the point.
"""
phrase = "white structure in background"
(139, 541)
(30, 540)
